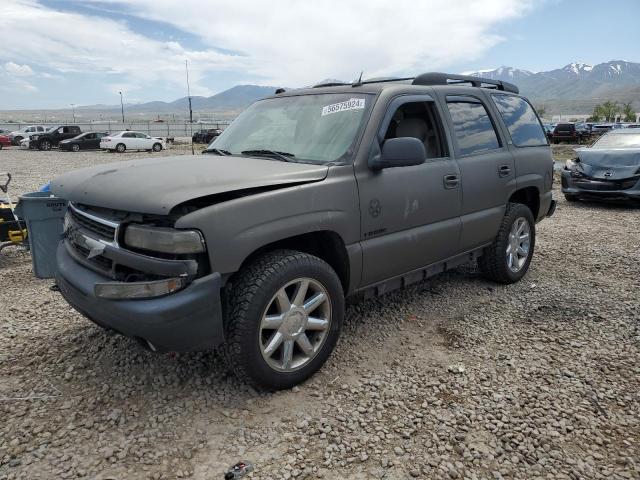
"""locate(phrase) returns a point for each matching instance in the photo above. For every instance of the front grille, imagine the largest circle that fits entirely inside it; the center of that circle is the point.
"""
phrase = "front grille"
(99, 261)
(606, 185)
(96, 229)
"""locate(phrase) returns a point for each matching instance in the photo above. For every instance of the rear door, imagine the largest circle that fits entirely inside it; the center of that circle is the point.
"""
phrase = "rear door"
(90, 141)
(410, 216)
(487, 169)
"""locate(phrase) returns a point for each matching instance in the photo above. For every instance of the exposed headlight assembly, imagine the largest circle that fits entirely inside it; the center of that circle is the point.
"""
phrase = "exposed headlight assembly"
(164, 240)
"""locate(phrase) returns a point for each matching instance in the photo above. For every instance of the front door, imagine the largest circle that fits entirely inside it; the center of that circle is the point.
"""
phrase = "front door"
(487, 169)
(410, 216)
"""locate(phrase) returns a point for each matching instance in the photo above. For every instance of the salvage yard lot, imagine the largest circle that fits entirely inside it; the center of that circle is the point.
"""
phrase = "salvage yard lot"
(452, 378)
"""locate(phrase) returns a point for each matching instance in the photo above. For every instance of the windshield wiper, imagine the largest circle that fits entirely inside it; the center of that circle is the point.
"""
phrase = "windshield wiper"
(217, 151)
(284, 156)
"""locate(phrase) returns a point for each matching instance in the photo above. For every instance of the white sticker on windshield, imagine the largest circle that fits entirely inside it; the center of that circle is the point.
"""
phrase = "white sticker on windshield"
(351, 104)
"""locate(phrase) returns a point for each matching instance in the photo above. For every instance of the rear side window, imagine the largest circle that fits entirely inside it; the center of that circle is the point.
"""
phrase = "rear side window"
(521, 121)
(473, 128)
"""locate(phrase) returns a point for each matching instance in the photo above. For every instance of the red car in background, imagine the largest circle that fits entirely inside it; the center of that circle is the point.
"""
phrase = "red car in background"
(4, 141)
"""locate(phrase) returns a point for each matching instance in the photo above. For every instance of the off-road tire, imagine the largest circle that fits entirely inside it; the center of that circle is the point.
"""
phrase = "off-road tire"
(571, 198)
(121, 148)
(248, 295)
(493, 263)
(157, 147)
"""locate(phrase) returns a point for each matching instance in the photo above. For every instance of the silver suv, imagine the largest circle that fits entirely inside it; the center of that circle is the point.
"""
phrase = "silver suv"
(308, 197)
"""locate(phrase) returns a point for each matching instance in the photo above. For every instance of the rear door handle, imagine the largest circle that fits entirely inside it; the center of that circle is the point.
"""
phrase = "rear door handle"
(504, 171)
(451, 181)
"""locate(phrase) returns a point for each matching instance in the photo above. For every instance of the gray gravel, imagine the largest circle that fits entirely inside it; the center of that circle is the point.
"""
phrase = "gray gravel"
(452, 378)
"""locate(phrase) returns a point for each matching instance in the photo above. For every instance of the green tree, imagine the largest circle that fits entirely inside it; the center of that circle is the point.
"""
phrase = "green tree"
(542, 110)
(596, 115)
(609, 110)
(628, 113)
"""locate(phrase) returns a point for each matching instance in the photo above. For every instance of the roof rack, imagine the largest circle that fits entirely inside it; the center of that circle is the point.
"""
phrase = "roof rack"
(436, 78)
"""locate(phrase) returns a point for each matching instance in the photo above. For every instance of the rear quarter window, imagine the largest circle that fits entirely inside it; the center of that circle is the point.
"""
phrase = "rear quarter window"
(521, 121)
(473, 128)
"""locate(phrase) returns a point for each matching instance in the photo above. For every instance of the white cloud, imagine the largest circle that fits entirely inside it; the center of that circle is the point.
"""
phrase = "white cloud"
(284, 42)
(294, 42)
(13, 68)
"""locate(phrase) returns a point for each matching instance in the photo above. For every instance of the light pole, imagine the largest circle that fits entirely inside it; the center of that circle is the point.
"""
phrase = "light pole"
(73, 109)
(121, 107)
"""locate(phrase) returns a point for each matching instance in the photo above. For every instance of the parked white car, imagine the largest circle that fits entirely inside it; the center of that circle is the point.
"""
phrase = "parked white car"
(24, 144)
(128, 140)
(17, 136)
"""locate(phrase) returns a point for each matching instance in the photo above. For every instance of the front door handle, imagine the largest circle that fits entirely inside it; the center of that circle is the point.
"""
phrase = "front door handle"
(451, 181)
(504, 171)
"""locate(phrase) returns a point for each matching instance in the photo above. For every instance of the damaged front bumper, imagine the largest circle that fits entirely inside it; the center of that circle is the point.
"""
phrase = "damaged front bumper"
(599, 189)
(187, 320)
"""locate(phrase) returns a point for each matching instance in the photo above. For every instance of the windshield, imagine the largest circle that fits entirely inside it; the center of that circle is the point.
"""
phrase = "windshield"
(316, 128)
(619, 140)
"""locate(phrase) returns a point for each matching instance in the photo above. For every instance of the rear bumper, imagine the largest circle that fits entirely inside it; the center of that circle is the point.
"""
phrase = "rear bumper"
(569, 187)
(187, 320)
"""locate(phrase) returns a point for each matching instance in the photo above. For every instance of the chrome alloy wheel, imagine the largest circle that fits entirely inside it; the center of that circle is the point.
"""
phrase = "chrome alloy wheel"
(519, 244)
(295, 324)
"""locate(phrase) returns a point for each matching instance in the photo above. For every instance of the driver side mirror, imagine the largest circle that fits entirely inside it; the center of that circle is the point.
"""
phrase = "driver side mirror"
(400, 152)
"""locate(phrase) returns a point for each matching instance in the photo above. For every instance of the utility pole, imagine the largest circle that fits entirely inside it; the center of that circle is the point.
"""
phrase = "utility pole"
(186, 67)
(73, 109)
(122, 108)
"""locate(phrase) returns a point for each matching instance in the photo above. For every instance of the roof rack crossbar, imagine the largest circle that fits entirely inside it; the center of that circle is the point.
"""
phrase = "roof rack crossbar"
(437, 78)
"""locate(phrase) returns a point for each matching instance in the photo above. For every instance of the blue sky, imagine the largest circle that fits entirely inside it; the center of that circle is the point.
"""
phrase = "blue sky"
(57, 52)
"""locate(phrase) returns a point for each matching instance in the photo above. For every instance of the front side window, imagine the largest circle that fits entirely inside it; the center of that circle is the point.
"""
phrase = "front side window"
(418, 120)
(521, 121)
(473, 128)
(314, 128)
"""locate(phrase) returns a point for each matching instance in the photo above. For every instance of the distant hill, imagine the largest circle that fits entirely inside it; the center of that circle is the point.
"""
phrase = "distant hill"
(230, 101)
(577, 87)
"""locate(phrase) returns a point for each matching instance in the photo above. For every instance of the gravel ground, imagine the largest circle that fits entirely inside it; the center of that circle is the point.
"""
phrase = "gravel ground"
(452, 378)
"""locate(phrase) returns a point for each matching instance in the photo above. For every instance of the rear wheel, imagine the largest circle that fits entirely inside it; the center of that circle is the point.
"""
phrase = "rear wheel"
(157, 147)
(45, 145)
(17, 140)
(507, 259)
(285, 313)
(75, 147)
(121, 147)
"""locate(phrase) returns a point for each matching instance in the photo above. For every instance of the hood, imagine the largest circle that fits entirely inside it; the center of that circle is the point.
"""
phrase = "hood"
(156, 185)
(609, 164)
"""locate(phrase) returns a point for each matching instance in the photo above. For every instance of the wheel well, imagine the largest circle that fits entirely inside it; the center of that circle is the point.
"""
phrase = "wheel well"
(529, 196)
(326, 245)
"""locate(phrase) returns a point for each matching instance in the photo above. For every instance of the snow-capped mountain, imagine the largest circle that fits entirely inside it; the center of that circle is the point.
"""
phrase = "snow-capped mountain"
(576, 83)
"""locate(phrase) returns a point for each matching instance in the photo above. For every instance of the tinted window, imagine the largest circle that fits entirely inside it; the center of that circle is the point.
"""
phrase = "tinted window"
(90, 136)
(128, 135)
(473, 128)
(521, 121)
(141, 135)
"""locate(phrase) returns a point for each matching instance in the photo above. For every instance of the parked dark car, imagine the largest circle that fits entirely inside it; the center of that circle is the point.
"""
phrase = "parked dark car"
(609, 169)
(601, 129)
(567, 132)
(84, 141)
(206, 136)
(52, 137)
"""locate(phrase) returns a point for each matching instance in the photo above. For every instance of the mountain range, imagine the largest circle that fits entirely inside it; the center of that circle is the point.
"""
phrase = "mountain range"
(573, 89)
(577, 87)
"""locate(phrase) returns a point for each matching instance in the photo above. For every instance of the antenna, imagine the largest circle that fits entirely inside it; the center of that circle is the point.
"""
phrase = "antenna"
(186, 67)
(359, 81)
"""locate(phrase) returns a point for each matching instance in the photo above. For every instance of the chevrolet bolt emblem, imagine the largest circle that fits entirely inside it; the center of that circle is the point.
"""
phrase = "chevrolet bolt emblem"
(95, 247)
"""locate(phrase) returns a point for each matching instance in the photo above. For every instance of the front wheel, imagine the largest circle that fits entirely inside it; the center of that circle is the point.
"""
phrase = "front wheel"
(157, 147)
(45, 145)
(285, 313)
(507, 259)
